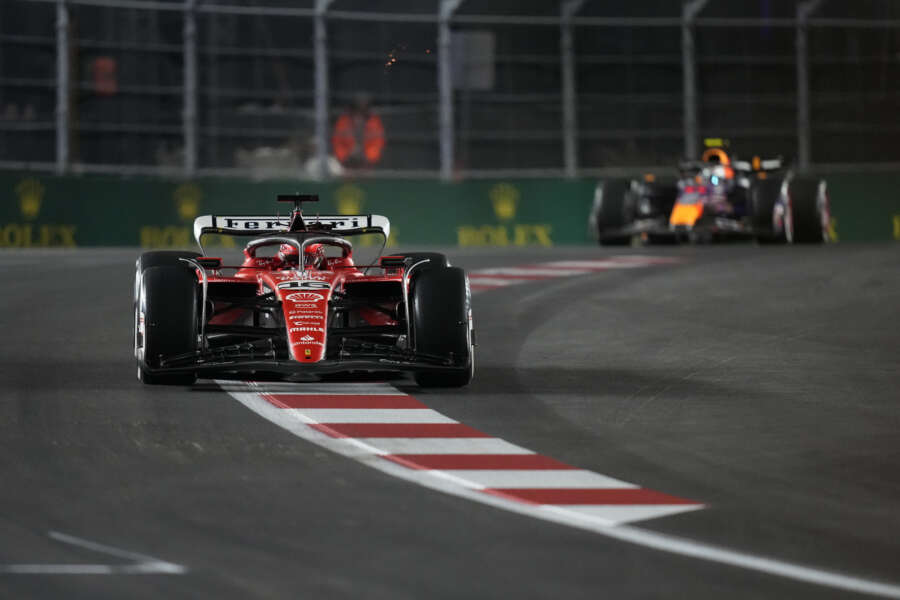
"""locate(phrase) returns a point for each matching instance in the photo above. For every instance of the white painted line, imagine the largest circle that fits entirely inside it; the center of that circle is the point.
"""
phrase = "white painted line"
(142, 565)
(601, 265)
(602, 520)
(494, 281)
(376, 388)
(373, 415)
(529, 271)
(444, 446)
(536, 478)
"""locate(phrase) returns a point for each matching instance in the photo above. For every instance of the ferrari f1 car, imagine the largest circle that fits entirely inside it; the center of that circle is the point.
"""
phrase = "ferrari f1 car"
(713, 198)
(297, 305)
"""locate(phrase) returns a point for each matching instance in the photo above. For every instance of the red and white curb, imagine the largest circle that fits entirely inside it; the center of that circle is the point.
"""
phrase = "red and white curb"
(488, 279)
(393, 432)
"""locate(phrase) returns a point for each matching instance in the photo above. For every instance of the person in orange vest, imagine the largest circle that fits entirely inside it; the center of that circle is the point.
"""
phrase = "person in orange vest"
(358, 136)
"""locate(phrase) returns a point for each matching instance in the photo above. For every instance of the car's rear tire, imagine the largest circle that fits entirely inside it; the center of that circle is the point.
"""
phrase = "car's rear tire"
(771, 221)
(810, 210)
(441, 316)
(166, 321)
(611, 211)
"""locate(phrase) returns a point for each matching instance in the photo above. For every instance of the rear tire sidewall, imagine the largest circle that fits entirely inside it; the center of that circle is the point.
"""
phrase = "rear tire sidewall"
(811, 210)
(610, 212)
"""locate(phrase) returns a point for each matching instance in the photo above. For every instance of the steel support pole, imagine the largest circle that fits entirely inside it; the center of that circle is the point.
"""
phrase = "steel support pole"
(445, 87)
(804, 10)
(569, 99)
(320, 50)
(189, 115)
(62, 87)
(688, 65)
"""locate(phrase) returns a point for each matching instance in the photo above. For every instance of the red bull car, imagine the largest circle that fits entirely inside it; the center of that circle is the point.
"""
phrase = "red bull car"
(297, 305)
(713, 198)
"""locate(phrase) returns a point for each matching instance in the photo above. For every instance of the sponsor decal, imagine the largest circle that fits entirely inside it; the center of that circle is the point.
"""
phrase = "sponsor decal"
(316, 276)
(304, 285)
(312, 342)
(280, 224)
(187, 201)
(301, 307)
(304, 297)
(254, 223)
(311, 323)
(301, 329)
(505, 235)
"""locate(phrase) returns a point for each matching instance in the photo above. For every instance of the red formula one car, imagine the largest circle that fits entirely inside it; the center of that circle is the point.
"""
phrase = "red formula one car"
(298, 305)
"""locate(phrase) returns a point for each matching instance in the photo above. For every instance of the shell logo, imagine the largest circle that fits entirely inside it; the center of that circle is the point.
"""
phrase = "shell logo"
(505, 199)
(304, 297)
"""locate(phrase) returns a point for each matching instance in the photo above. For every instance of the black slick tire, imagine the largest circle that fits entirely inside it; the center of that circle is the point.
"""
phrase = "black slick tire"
(810, 209)
(611, 212)
(764, 195)
(168, 300)
(441, 325)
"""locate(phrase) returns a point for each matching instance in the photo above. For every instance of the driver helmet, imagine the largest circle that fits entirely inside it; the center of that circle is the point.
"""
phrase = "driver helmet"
(289, 255)
(315, 256)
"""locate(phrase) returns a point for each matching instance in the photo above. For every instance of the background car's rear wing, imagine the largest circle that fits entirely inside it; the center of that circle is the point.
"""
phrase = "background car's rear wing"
(261, 225)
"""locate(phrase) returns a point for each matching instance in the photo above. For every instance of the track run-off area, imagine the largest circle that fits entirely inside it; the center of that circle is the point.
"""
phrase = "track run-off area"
(715, 421)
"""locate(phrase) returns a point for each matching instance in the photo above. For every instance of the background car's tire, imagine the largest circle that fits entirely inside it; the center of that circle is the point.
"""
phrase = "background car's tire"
(168, 298)
(612, 211)
(441, 323)
(765, 199)
(810, 209)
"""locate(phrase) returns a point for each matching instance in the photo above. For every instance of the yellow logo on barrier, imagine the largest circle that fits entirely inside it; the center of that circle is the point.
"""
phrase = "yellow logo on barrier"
(897, 227)
(31, 194)
(349, 199)
(505, 198)
(187, 201)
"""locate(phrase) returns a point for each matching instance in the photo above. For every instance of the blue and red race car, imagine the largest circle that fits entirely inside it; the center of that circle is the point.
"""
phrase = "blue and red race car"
(716, 197)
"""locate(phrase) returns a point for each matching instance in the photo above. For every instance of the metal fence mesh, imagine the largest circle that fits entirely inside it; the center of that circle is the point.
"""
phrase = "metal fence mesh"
(127, 94)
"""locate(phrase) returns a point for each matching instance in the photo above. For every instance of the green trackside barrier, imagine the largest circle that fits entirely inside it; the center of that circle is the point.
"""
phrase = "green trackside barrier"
(43, 210)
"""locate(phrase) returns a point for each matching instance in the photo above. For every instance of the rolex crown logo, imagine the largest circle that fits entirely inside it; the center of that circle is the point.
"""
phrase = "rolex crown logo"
(187, 200)
(505, 198)
(349, 199)
(31, 194)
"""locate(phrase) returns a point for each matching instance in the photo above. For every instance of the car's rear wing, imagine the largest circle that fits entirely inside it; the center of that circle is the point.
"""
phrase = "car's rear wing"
(262, 225)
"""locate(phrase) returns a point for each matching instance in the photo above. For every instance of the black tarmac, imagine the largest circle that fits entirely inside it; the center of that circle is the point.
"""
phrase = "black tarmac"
(763, 381)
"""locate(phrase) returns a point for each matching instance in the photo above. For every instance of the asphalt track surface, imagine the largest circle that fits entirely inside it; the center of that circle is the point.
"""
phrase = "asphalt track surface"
(761, 381)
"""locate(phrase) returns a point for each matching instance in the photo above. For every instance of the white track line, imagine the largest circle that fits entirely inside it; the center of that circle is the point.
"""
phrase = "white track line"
(143, 565)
